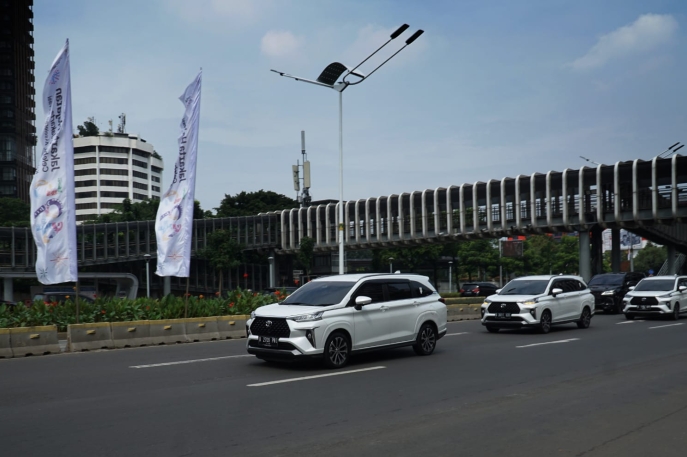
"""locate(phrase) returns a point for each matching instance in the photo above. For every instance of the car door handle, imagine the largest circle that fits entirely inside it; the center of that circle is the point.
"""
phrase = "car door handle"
(383, 308)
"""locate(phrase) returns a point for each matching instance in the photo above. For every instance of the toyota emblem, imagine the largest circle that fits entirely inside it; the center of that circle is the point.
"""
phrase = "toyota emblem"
(503, 305)
(268, 324)
(643, 299)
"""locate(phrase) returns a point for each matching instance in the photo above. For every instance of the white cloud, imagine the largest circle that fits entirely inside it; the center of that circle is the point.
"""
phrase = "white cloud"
(279, 44)
(644, 34)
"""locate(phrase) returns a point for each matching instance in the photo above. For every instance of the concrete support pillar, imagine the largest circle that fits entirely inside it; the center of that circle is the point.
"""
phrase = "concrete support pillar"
(8, 289)
(167, 285)
(273, 269)
(615, 250)
(596, 250)
(671, 259)
(585, 261)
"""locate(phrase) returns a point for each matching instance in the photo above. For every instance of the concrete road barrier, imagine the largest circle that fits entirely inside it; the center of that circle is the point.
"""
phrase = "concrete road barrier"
(5, 346)
(34, 340)
(131, 334)
(168, 331)
(88, 337)
(202, 329)
(232, 326)
(463, 312)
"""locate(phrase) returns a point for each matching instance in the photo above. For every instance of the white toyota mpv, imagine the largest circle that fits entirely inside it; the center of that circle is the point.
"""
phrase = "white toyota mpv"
(332, 317)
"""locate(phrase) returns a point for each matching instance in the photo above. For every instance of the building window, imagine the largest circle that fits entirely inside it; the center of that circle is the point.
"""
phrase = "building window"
(84, 172)
(114, 160)
(89, 183)
(138, 163)
(140, 196)
(84, 161)
(114, 194)
(7, 113)
(114, 149)
(7, 99)
(110, 183)
(9, 174)
(138, 174)
(140, 153)
(84, 149)
(86, 205)
(105, 205)
(6, 85)
(8, 190)
(156, 189)
(112, 171)
(154, 178)
(138, 185)
(86, 194)
(156, 169)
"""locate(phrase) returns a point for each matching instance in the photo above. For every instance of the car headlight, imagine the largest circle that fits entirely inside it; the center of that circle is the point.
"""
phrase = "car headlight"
(307, 317)
(486, 302)
(530, 302)
(252, 314)
(608, 292)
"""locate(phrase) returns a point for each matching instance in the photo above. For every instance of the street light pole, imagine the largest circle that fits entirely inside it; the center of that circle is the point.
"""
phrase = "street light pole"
(391, 265)
(330, 78)
(147, 257)
(450, 284)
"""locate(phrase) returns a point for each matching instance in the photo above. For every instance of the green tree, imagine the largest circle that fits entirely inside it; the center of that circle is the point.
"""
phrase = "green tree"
(145, 210)
(88, 128)
(252, 203)
(539, 254)
(410, 258)
(652, 257)
(223, 253)
(566, 257)
(14, 212)
(305, 253)
(479, 257)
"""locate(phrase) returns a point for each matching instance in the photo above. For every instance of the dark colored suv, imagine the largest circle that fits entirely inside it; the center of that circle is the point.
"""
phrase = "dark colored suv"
(477, 289)
(609, 289)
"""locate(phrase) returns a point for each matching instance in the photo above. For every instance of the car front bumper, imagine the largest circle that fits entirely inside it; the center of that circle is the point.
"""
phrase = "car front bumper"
(655, 310)
(295, 346)
(521, 320)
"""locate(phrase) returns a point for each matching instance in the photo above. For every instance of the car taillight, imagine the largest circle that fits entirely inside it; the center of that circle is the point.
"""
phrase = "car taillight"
(442, 300)
(476, 290)
(462, 290)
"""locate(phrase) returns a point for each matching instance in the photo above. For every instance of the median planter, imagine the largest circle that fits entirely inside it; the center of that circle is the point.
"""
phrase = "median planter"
(130, 334)
(34, 340)
(232, 326)
(5, 346)
(168, 331)
(88, 337)
(463, 312)
(202, 329)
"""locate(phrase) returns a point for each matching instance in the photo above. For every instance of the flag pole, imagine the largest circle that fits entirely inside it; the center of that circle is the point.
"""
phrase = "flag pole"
(186, 296)
(76, 299)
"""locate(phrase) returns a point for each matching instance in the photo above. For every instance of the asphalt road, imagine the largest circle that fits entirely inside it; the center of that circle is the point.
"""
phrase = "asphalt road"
(615, 389)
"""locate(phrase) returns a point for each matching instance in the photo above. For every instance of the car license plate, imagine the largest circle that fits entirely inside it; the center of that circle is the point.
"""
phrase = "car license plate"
(644, 307)
(503, 315)
(268, 341)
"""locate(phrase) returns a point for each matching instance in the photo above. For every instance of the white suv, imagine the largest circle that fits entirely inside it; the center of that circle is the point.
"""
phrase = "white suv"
(539, 301)
(329, 318)
(657, 296)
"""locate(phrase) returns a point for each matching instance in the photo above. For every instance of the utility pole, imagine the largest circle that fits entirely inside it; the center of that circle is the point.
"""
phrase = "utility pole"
(304, 197)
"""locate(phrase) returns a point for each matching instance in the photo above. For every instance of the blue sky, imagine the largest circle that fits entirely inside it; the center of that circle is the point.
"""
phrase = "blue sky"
(492, 89)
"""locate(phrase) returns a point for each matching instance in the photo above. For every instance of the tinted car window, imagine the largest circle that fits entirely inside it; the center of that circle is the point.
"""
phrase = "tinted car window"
(373, 290)
(319, 293)
(658, 285)
(607, 280)
(525, 287)
(420, 290)
(399, 290)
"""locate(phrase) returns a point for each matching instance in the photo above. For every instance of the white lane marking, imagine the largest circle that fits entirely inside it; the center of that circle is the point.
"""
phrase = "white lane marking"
(456, 334)
(669, 325)
(305, 378)
(549, 342)
(626, 322)
(189, 361)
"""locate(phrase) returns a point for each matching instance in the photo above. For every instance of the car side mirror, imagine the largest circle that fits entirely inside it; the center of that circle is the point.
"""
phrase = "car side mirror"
(498, 291)
(362, 301)
(556, 291)
(682, 288)
(632, 287)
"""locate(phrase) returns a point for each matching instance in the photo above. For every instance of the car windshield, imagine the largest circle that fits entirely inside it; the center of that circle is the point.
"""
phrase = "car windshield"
(320, 293)
(525, 287)
(655, 285)
(607, 280)
(470, 286)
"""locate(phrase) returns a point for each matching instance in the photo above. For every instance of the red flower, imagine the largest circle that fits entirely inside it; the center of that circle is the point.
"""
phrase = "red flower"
(231, 305)
(102, 312)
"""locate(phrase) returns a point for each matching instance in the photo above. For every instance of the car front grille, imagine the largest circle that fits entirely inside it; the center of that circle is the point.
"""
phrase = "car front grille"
(652, 301)
(498, 307)
(280, 346)
(270, 326)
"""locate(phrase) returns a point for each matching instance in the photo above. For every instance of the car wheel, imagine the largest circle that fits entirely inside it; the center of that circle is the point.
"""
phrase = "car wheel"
(426, 340)
(630, 317)
(585, 319)
(337, 350)
(619, 307)
(491, 329)
(545, 322)
(676, 312)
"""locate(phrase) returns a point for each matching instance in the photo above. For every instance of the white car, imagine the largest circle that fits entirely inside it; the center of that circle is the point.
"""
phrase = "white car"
(657, 296)
(539, 302)
(332, 317)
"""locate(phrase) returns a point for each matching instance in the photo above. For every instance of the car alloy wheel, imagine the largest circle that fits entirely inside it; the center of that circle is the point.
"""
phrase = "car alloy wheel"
(585, 319)
(676, 312)
(426, 340)
(337, 350)
(545, 323)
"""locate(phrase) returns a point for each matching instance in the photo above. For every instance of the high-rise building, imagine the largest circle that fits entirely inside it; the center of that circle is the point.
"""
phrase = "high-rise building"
(17, 105)
(110, 167)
